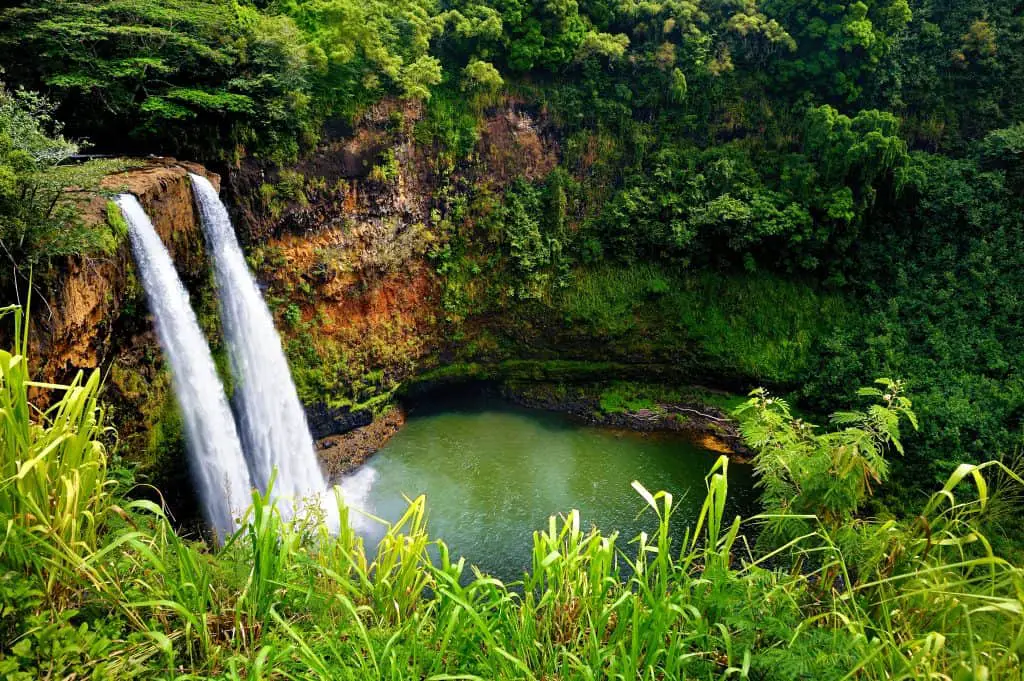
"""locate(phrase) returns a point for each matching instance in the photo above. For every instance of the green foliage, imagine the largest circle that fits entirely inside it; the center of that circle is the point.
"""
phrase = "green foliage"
(260, 77)
(959, 72)
(806, 193)
(841, 46)
(39, 220)
(828, 476)
(293, 315)
(854, 152)
(451, 128)
(622, 398)
(746, 325)
(482, 75)
(291, 186)
(387, 169)
(1004, 150)
(115, 219)
(941, 294)
(54, 490)
(696, 206)
(365, 49)
(283, 600)
(530, 250)
(204, 78)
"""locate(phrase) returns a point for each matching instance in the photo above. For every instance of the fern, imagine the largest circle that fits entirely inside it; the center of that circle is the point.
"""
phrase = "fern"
(828, 475)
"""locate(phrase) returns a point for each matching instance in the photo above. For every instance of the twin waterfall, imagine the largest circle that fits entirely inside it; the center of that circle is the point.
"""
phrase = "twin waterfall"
(271, 419)
(272, 433)
(218, 466)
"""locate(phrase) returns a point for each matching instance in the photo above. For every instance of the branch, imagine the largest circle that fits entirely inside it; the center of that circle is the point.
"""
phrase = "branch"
(698, 413)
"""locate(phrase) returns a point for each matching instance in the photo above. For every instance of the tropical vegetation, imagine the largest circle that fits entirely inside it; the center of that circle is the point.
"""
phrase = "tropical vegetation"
(801, 195)
(867, 150)
(97, 586)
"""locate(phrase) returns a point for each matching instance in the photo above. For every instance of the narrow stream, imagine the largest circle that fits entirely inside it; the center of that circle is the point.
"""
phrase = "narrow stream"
(493, 473)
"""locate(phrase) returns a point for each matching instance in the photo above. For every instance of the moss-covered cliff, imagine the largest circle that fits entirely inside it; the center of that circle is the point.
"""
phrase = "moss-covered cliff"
(392, 263)
(79, 328)
(95, 313)
(351, 242)
(391, 255)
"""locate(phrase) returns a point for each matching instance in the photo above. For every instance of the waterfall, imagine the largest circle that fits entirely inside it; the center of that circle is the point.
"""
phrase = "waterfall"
(271, 419)
(217, 462)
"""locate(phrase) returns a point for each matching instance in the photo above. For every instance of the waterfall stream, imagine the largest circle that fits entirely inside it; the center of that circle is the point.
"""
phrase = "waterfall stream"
(271, 420)
(217, 462)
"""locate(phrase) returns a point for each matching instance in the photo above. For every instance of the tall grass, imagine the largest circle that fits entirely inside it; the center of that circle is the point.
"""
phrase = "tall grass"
(54, 489)
(926, 598)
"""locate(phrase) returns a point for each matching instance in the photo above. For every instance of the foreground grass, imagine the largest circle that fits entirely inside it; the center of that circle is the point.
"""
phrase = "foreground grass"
(120, 595)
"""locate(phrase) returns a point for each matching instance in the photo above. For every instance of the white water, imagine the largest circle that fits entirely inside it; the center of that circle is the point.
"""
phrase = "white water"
(271, 419)
(217, 464)
(355, 490)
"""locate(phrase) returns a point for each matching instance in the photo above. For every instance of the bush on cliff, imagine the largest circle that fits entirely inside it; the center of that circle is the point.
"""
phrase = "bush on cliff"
(40, 217)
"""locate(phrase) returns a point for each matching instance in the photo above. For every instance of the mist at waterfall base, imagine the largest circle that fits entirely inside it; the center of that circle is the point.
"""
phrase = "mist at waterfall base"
(217, 463)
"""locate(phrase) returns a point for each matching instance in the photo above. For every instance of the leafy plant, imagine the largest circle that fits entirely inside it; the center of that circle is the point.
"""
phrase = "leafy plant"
(829, 475)
(54, 491)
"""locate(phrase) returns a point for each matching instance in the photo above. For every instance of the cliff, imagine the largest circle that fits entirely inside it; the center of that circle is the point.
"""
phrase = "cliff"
(94, 315)
(76, 330)
(351, 242)
(383, 259)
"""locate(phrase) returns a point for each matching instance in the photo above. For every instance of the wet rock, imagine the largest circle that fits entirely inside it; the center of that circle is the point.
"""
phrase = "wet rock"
(325, 421)
(342, 453)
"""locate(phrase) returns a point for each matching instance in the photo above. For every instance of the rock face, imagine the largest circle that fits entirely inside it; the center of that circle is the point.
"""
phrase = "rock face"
(96, 316)
(380, 174)
(347, 240)
(77, 328)
(349, 243)
(324, 421)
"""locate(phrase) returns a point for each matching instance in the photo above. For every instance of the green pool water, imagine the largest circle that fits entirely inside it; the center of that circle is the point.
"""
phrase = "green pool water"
(493, 473)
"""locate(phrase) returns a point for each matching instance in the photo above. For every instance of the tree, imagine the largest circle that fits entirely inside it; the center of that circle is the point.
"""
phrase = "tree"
(842, 46)
(1004, 150)
(828, 475)
(368, 48)
(482, 75)
(207, 78)
(34, 223)
(39, 218)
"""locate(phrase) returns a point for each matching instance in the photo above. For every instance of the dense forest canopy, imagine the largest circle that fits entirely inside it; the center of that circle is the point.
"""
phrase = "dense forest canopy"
(213, 78)
(870, 148)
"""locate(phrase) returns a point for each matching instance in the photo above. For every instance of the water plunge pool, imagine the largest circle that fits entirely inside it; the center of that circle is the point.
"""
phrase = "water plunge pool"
(493, 473)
